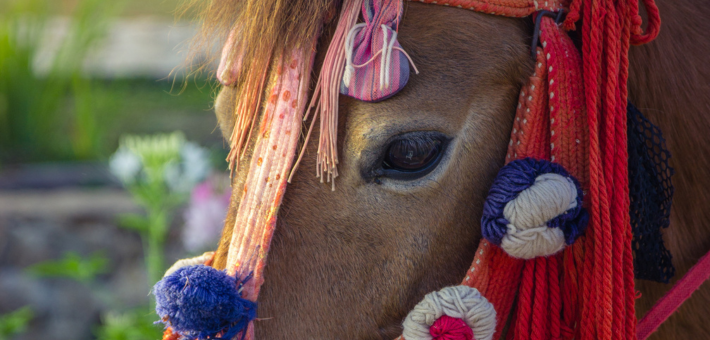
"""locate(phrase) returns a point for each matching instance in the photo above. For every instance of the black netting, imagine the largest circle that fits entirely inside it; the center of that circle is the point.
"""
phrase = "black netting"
(651, 193)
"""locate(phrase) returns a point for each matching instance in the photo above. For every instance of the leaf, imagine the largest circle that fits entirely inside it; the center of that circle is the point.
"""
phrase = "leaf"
(14, 323)
(72, 266)
(133, 222)
(135, 324)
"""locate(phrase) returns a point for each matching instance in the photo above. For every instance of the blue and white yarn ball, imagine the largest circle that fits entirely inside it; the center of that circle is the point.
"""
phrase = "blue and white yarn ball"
(534, 208)
(200, 302)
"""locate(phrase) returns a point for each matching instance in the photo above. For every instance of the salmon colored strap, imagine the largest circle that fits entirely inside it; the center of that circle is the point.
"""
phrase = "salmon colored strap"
(674, 298)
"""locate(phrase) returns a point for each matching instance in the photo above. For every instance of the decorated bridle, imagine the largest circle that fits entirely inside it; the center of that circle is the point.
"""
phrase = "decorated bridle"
(557, 247)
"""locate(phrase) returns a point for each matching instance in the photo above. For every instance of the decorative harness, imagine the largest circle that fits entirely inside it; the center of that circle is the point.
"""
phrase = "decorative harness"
(557, 248)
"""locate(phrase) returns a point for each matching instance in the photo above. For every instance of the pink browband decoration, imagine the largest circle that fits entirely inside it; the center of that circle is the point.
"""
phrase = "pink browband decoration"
(376, 66)
(266, 180)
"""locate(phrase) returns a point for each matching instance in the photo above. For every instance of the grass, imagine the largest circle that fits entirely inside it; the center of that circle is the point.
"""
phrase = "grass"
(65, 116)
(131, 8)
(148, 107)
(29, 103)
(133, 106)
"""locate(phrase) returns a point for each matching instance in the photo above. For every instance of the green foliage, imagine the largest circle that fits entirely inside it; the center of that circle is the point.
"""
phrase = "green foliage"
(57, 113)
(135, 324)
(30, 124)
(159, 171)
(72, 266)
(14, 323)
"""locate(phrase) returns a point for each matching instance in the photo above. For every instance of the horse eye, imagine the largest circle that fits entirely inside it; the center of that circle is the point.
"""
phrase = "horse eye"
(413, 157)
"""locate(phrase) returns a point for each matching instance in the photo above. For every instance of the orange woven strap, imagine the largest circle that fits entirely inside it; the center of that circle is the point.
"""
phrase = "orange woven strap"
(493, 272)
(497, 276)
(530, 135)
(549, 124)
(169, 335)
(508, 8)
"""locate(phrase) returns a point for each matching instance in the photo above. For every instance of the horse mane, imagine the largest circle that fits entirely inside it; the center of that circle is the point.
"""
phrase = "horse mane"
(265, 25)
(256, 34)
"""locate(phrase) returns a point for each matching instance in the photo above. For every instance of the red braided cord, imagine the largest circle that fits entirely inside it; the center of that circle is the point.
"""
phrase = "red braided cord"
(505, 282)
(555, 297)
(572, 15)
(588, 298)
(532, 309)
(611, 163)
(525, 303)
(493, 268)
(593, 296)
(653, 27)
(598, 318)
(572, 265)
(628, 11)
(540, 326)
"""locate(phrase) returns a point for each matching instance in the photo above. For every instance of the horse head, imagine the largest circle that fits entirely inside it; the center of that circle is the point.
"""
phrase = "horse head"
(414, 170)
(350, 263)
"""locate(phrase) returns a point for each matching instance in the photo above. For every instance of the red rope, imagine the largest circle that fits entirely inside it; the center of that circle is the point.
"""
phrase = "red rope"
(555, 307)
(540, 326)
(653, 27)
(576, 105)
(525, 302)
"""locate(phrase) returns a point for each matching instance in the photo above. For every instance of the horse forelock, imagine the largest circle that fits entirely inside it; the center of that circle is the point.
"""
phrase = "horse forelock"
(257, 35)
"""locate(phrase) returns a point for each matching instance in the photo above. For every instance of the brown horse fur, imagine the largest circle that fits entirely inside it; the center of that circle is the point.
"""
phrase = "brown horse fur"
(670, 82)
(350, 264)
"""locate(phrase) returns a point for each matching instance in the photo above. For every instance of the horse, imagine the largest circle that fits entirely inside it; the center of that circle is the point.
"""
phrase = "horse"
(351, 263)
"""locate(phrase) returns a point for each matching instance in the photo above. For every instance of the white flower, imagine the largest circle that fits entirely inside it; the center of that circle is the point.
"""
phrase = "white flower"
(125, 165)
(161, 158)
(196, 163)
(155, 150)
(194, 167)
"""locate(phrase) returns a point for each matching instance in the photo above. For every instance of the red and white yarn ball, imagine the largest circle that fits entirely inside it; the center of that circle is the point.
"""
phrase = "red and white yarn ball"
(453, 313)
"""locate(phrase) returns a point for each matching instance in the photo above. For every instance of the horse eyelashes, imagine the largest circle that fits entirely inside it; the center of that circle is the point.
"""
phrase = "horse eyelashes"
(413, 156)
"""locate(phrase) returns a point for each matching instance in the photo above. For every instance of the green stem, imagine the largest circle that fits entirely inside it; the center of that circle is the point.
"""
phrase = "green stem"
(155, 244)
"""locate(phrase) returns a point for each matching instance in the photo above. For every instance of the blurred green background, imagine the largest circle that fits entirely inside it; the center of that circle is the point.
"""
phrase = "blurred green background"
(76, 242)
(68, 96)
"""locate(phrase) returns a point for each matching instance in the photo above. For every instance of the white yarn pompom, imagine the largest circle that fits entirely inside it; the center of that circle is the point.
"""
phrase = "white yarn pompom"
(528, 235)
(461, 302)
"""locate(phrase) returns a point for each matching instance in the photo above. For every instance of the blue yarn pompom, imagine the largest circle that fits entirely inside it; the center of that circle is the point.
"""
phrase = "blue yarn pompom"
(200, 302)
(516, 177)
